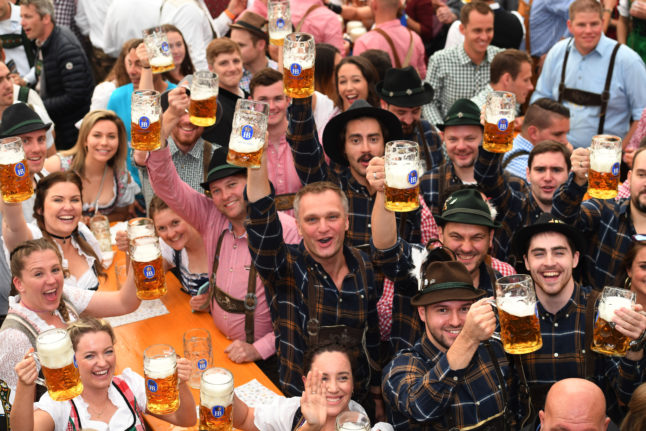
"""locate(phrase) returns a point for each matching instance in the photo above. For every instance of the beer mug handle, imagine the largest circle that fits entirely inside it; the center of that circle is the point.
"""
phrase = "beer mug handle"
(494, 305)
(39, 381)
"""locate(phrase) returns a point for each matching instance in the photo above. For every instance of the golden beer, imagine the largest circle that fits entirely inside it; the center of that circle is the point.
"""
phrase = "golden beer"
(162, 385)
(402, 200)
(216, 400)
(15, 181)
(145, 133)
(298, 80)
(248, 133)
(159, 54)
(56, 356)
(498, 138)
(279, 21)
(401, 165)
(148, 267)
(277, 42)
(605, 161)
(161, 65)
(245, 160)
(606, 339)
(520, 330)
(202, 112)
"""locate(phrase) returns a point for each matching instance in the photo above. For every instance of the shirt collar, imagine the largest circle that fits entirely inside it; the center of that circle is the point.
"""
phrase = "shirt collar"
(523, 144)
(465, 59)
(230, 229)
(195, 152)
(568, 308)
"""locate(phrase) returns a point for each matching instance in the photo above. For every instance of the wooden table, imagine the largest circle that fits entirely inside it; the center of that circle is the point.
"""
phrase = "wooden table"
(133, 338)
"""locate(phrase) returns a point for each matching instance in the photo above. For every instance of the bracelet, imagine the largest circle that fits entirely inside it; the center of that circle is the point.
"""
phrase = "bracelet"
(230, 14)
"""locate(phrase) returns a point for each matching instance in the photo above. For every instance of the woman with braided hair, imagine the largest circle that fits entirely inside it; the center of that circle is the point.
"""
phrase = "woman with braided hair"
(40, 300)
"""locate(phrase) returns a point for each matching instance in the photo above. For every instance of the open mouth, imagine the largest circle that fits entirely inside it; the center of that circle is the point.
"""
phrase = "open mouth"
(365, 159)
(102, 373)
(550, 275)
(51, 295)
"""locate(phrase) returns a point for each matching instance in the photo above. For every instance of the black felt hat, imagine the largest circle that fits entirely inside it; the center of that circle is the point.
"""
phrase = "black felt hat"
(403, 87)
(219, 168)
(545, 223)
(19, 118)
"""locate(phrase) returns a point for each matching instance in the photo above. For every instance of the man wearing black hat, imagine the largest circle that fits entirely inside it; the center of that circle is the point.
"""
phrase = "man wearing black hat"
(455, 376)
(551, 250)
(236, 295)
(403, 93)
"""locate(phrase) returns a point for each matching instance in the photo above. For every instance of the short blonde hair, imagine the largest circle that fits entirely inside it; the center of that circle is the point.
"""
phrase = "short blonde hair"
(222, 45)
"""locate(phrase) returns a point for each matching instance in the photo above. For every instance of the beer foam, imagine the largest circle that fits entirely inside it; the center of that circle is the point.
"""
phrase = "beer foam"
(608, 306)
(216, 390)
(145, 252)
(352, 426)
(11, 157)
(54, 351)
(159, 368)
(161, 61)
(602, 159)
(202, 94)
(397, 175)
(516, 306)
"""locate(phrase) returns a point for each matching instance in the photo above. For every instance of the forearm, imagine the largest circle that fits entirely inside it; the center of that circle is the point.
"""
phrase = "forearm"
(622, 29)
(266, 345)
(303, 140)
(146, 80)
(566, 204)
(22, 410)
(461, 352)
(186, 415)
(258, 181)
(14, 226)
(243, 416)
(384, 224)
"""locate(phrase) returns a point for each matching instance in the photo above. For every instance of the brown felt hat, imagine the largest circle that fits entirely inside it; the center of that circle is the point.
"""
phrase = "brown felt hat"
(446, 281)
(253, 23)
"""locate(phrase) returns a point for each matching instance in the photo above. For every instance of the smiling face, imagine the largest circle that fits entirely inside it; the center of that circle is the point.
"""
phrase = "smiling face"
(637, 271)
(228, 66)
(177, 48)
(337, 375)
(547, 173)
(586, 27)
(96, 360)
(226, 194)
(62, 208)
(172, 228)
(103, 141)
(469, 242)
(35, 146)
(637, 178)
(40, 282)
(462, 144)
(478, 33)
(274, 96)
(322, 222)
(363, 141)
(444, 321)
(352, 85)
(185, 134)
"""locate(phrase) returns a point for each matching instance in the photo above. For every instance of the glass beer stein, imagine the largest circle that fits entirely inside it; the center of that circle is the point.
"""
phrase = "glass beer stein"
(279, 21)
(216, 400)
(402, 175)
(56, 356)
(605, 337)
(198, 350)
(605, 160)
(298, 65)
(248, 133)
(352, 421)
(148, 267)
(145, 126)
(159, 55)
(204, 98)
(520, 330)
(162, 384)
(15, 181)
(500, 112)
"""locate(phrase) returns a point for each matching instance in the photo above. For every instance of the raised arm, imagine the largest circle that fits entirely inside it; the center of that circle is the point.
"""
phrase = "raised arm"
(383, 221)
(566, 205)
(14, 226)
(185, 415)
(23, 417)
(116, 303)
(309, 159)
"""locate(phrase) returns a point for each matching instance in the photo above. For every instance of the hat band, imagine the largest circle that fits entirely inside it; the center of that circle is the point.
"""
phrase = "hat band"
(10, 130)
(251, 28)
(468, 211)
(402, 93)
(443, 286)
(222, 167)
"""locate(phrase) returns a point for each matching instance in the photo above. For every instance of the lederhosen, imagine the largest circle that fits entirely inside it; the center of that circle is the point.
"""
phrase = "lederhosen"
(124, 390)
(16, 321)
(285, 202)
(586, 98)
(10, 41)
(498, 422)
(354, 339)
(233, 305)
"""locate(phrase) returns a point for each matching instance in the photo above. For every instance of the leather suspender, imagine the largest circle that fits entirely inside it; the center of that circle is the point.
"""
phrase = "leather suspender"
(233, 305)
(307, 12)
(588, 359)
(409, 53)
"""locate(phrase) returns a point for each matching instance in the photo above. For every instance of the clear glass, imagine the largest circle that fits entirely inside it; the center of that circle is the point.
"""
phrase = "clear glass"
(56, 356)
(145, 125)
(605, 337)
(352, 421)
(520, 329)
(299, 52)
(159, 54)
(15, 181)
(198, 350)
(162, 384)
(279, 21)
(148, 267)
(216, 400)
(204, 98)
(500, 112)
(402, 164)
(248, 133)
(100, 227)
(605, 160)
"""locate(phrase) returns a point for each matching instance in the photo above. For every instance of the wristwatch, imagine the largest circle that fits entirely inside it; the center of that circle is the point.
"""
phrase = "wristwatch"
(638, 344)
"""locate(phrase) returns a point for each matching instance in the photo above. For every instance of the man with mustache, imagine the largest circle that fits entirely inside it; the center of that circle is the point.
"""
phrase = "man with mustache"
(403, 93)
(609, 225)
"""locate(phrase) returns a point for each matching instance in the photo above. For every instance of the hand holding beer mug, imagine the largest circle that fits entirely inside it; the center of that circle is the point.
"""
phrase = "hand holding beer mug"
(162, 384)
(500, 113)
(352, 421)
(216, 400)
(298, 65)
(15, 181)
(148, 267)
(204, 98)
(159, 55)
(279, 21)
(145, 126)
(139, 227)
(100, 227)
(606, 339)
(520, 330)
(248, 133)
(198, 350)
(402, 175)
(56, 356)
(605, 159)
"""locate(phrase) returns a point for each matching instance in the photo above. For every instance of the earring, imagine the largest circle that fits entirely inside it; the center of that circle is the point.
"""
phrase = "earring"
(628, 283)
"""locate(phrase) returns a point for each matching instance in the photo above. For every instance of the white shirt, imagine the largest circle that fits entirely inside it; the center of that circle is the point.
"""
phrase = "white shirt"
(18, 55)
(220, 24)
(89, 19)
(127, 19)
(120, 420)
(189, 17)
(36, 103)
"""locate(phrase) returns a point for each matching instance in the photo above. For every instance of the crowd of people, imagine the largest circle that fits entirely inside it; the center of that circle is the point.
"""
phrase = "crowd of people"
(344, 304)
